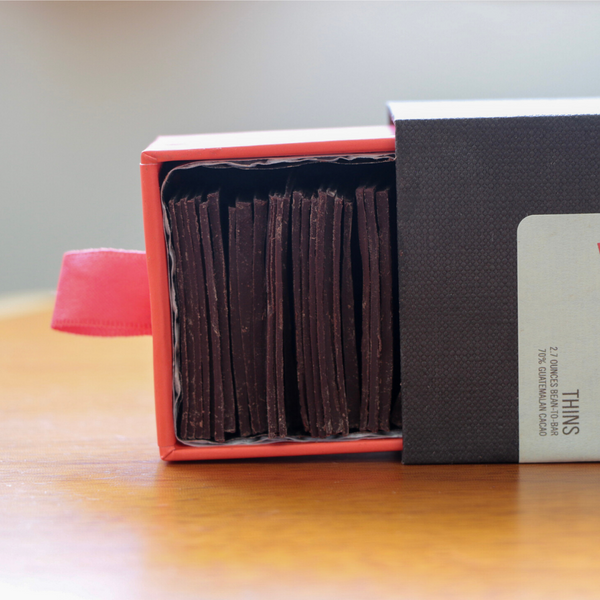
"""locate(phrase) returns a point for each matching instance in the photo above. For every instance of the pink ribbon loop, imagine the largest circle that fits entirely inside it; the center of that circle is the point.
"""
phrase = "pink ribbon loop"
(103, 292)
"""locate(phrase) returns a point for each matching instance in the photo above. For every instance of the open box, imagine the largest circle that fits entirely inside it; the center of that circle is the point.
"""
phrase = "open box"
(498, 212)
(295, 150)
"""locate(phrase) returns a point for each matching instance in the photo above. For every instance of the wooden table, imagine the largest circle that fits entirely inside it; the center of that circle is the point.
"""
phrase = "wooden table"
(87, 509)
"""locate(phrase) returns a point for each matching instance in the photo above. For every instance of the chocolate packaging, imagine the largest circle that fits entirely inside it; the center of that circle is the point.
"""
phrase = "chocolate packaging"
(272, 270)
(499, 279)
(427, 286)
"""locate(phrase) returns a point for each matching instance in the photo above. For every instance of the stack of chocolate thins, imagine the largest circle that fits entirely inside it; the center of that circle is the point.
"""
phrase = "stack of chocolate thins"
(248, 301)
(284, 313)
(205, 355)
(377, 343)
(316, 253)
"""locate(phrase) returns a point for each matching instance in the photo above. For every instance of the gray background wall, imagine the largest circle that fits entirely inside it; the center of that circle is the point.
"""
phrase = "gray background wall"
(85, 87)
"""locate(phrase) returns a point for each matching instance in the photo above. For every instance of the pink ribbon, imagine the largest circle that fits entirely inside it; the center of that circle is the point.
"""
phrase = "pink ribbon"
(103, 292)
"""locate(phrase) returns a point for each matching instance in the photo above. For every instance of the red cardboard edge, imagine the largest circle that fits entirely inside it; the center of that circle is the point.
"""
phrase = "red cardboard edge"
(160, 308)
(179, 452)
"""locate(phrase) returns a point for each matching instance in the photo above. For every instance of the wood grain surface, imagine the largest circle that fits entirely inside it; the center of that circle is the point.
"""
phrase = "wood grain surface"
(87, 509)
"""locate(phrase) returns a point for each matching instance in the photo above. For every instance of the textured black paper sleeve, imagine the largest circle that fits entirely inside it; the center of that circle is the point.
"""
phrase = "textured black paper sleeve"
(464, 185)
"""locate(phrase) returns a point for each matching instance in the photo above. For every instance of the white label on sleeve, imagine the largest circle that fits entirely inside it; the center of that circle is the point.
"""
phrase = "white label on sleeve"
(559, 338)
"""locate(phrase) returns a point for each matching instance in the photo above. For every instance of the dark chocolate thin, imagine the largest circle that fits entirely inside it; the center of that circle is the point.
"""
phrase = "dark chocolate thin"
(297, 301)
(191, 317)
(244, 248)
(278, 264)
(337, 422)
(305, 303)
(214, 218)
(337, 315)
(237, 353)
(323, 349)
(184, 362)
(313, 320)
(386, 369)
(291, 399)
(365, 345)
(204, 326)
(273, 428)
(351, 368)
(218, 408)
(196, 316)
(258, 402)
(374, 377)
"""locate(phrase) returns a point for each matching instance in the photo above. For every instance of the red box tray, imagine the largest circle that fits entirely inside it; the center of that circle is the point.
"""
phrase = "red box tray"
(232, 146)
